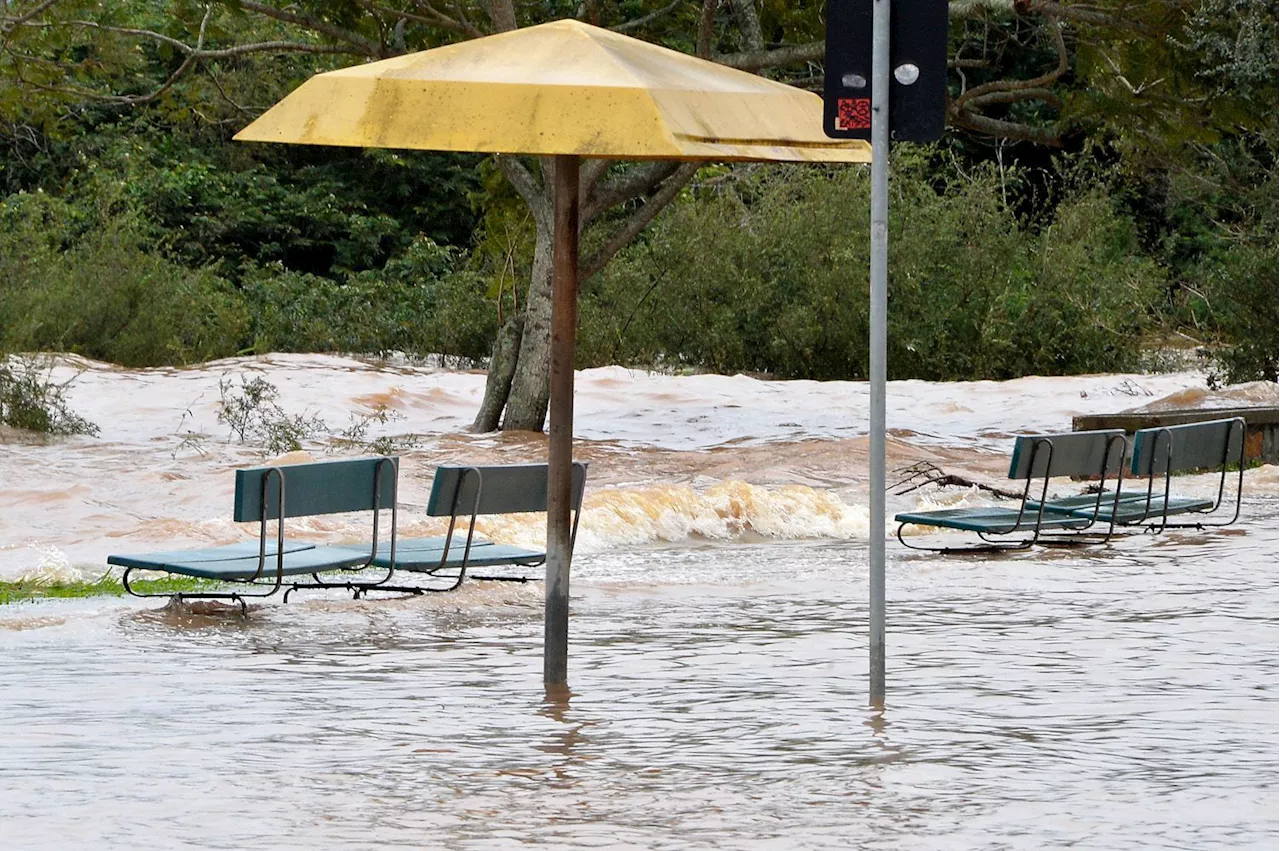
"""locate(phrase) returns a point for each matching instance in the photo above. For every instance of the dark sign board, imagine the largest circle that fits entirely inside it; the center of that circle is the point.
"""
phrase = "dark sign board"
(917, 69)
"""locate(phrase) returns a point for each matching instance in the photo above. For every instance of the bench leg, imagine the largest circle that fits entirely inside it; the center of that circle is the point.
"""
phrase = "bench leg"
(179, 596)
(988, 547)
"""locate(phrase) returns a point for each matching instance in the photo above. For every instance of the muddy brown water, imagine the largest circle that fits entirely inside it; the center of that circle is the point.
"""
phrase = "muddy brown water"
(1119, 697)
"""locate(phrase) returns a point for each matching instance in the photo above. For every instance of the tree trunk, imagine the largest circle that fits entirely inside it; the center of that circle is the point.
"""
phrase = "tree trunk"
(530, 387)
(502, 366)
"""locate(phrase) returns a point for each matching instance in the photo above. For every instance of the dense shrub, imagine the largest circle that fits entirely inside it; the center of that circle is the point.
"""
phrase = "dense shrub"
(420, 303)
(91, 281)
(1242, 287)
(772, 277)
(30, 399)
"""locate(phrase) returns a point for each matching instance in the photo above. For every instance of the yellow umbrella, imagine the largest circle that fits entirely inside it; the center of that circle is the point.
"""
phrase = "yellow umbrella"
(569, 90)
(560, 88)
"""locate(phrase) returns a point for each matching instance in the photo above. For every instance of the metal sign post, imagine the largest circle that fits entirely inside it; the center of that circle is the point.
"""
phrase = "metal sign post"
(879, 311)
(863, 42)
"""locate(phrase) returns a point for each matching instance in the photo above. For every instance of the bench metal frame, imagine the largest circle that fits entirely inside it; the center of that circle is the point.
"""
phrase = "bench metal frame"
(1042, 448)
(1167, 461)
(456, 510)
(277, 474)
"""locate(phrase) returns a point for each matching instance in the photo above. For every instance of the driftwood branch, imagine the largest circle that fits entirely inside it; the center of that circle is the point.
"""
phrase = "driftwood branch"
(927, 473)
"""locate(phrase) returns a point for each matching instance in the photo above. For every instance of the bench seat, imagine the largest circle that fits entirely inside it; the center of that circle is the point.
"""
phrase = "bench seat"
(297, 561)
(436, 543)
(243, 549)
(992, 520)
(1132, 507)
(426, 559)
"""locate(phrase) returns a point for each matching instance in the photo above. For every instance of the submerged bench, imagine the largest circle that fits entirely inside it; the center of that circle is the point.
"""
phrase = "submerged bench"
(1035, 458)
(464, 494)
(266, 494)
(1161, 452)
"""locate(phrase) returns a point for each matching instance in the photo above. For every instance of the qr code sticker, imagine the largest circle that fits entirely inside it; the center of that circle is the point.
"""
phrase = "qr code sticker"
(853, 114)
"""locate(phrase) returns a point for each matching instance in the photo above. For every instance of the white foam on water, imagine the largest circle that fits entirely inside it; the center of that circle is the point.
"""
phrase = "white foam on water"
(673, 454)
(629, 406)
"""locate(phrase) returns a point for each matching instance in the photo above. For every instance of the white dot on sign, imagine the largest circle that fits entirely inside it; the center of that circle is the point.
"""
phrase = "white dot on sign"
(854, 81)
(906, 74)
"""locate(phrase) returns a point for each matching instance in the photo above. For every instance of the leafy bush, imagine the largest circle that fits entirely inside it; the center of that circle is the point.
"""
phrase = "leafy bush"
(92, 282)
(253, 413)
(418, 303)
(31, 400)
(771, 276)
(1242, 292)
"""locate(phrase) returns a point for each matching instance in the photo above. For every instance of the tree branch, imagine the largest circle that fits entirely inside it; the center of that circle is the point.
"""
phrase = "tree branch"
(366, 47)
(636, 23)
(199, 53)
(592, 170)
(432, 17)
(967, 120)
(706, 23)
(639, 180)
(7, 24)
(1014, 97)
(748, 24)
(1085, 15)
(1034, 83)
(525, 183)
(632, 227)
(503, 15)
(791, 54)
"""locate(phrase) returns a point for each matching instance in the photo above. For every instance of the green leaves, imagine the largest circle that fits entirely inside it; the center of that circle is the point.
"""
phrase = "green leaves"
(771, 276)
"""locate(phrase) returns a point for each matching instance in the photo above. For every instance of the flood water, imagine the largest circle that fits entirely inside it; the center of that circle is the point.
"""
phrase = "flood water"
(1111, 697)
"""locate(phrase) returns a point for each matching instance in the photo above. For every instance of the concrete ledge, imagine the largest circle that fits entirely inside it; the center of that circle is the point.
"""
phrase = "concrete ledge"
(1261, 424)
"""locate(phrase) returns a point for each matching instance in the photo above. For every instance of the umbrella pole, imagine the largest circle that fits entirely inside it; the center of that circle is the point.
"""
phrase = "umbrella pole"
(564, 327)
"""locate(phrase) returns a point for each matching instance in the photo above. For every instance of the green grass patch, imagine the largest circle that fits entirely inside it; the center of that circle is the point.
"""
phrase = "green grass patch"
(21, 590)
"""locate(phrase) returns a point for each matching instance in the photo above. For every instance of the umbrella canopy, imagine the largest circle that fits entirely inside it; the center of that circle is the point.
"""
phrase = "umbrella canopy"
(559, 88)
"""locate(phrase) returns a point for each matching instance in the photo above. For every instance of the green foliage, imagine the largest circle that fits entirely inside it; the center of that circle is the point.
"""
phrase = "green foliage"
(30, 399)
(89, 280)
(254, 415)
(1237, 274)
(133, 230)
(771, 277)
(1243, 288)
(417, 304)
(252, 411)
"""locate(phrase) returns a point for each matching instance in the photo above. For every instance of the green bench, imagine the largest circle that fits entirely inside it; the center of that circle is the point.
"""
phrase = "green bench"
(266, 494)
(1037, 458)
(464, 494)
(1160, 453)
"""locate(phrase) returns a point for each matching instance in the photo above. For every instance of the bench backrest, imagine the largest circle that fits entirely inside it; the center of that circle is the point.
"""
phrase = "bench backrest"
(1194, 446)
(504, 489)
(324, 487)
(1076, 453)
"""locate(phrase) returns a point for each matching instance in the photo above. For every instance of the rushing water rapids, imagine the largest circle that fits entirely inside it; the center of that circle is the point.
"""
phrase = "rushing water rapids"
(1113, 697)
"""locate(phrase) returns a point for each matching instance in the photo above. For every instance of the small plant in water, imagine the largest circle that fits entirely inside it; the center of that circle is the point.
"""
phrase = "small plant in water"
(30, 399)
(357, 433)
(254, 416)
